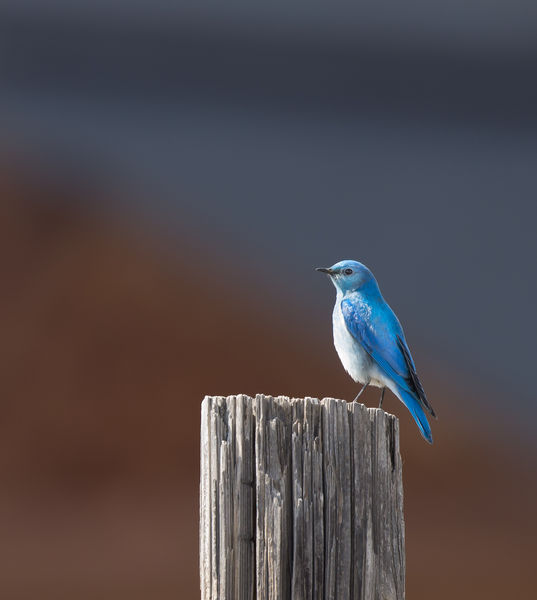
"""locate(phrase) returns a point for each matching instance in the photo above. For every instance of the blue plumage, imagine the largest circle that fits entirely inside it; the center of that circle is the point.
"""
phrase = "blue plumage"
(370, 341)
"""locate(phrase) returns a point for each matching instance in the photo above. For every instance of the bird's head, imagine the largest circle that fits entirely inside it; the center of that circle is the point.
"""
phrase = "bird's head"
(348, 275)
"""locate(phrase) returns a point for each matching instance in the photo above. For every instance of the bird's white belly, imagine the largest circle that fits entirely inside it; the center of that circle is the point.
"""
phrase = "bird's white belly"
(354, 358)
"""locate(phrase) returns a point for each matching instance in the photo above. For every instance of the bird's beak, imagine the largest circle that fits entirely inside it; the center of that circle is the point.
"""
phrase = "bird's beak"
(325, 270)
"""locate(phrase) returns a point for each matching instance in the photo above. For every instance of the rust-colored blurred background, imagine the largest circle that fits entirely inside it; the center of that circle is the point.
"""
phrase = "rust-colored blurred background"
(168, 180)
(108, 346)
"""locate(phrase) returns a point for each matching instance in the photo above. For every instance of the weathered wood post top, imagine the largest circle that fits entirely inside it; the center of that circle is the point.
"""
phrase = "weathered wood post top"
(300, 499)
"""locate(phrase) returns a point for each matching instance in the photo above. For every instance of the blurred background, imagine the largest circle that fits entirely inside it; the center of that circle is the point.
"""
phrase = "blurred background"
(170, 175)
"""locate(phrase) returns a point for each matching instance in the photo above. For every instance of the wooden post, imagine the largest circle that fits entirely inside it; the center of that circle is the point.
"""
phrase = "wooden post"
(300, 499)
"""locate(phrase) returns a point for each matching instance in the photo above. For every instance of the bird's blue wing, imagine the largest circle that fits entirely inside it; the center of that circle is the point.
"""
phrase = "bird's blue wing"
(380, 334)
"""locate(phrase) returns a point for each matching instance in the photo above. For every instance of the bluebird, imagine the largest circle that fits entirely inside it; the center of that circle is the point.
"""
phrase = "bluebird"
(370, 341)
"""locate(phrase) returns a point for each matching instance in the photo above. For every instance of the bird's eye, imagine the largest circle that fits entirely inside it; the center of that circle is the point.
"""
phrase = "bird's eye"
(348, 271)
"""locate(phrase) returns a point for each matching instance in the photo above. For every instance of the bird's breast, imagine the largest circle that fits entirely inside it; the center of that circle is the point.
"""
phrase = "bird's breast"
(354, 358)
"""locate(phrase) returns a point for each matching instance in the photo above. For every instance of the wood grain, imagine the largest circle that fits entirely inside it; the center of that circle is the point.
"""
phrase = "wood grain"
(300, 499)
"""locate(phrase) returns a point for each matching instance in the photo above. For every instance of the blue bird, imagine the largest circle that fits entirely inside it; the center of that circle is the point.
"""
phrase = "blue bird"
(370, 341)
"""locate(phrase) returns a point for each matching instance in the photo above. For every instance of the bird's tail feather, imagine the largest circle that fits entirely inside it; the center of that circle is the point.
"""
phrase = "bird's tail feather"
(414, 406)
